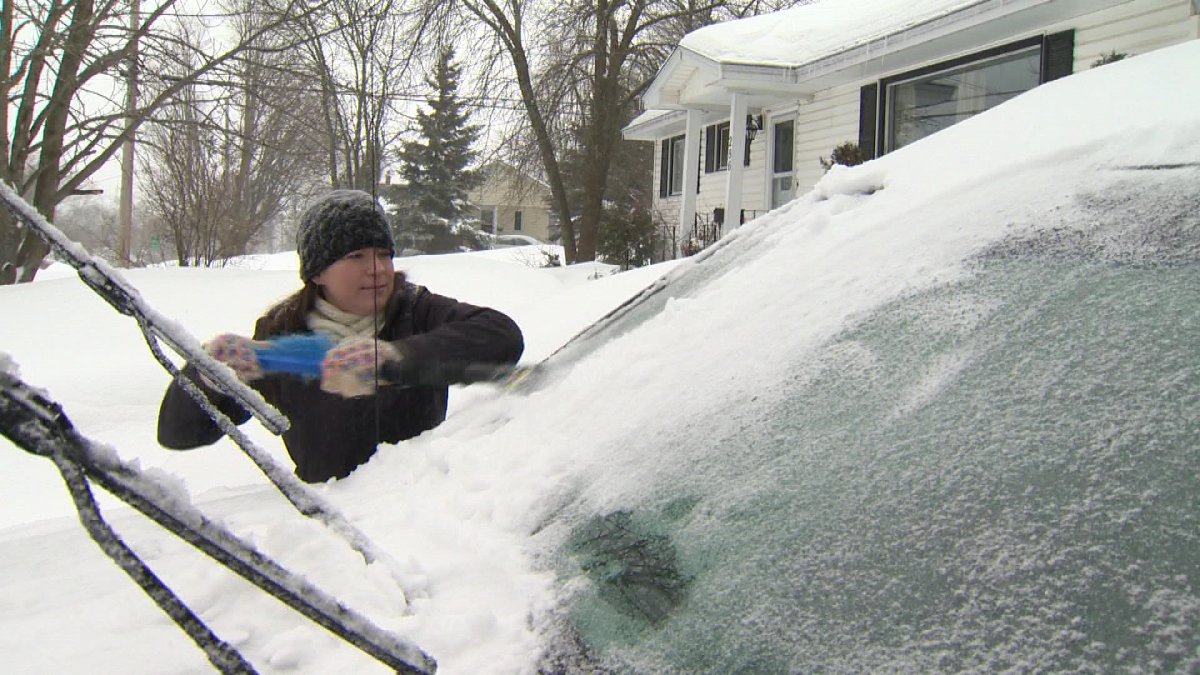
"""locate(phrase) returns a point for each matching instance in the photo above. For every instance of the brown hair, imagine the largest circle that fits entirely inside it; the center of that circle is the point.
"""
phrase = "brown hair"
(290, 315)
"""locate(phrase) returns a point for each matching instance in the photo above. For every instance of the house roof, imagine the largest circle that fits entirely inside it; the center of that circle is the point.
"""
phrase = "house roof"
(793, 53)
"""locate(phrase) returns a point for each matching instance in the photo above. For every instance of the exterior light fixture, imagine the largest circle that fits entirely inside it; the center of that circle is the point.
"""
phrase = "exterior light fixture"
(754, 124)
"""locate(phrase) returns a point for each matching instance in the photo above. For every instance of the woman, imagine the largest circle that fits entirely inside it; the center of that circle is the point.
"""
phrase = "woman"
(378, 322)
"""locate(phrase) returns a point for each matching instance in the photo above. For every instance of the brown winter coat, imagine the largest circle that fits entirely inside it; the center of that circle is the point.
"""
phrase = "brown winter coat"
(443, 342)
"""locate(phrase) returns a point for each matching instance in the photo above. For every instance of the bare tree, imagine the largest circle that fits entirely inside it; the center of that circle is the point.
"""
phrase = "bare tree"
(227, 156)
(359, 56)
(64, 62)
(579, 74)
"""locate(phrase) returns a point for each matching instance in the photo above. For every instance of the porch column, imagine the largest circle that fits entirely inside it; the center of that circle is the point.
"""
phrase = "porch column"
(691, 178)
(737, 149)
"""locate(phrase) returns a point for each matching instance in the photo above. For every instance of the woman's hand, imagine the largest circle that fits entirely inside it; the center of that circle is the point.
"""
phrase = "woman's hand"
(237, 352)
(352, 367)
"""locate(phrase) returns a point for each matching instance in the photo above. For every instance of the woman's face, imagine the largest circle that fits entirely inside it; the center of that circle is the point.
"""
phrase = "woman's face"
(360, 282)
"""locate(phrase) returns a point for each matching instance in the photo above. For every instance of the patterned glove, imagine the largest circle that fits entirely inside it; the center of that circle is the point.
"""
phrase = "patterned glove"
(350, 369)
(236, 352)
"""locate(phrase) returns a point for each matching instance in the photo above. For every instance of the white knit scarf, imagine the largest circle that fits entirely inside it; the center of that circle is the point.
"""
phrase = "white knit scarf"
(333, 322)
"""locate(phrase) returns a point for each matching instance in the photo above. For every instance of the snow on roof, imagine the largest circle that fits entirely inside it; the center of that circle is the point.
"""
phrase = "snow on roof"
(808, 32)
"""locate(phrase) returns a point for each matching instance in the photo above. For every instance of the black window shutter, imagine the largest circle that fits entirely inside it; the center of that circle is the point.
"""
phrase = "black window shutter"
(664, 173)
(1058, 55)
(710, 149)
(698, 175)
(868, 101)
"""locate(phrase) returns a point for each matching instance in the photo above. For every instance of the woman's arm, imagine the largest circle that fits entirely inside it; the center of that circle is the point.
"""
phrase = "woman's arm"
(183, 424)
(451, 339)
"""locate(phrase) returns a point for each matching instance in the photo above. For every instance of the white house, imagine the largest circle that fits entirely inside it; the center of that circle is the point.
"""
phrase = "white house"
(788, 87)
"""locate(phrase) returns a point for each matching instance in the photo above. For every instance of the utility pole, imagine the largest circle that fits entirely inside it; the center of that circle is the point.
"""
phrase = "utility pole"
(125, 207)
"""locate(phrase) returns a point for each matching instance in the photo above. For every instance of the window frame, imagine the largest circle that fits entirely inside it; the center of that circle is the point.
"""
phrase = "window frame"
(716, 147)
(975, 62)
(774, 173)
(1056, 60)
(668, 166)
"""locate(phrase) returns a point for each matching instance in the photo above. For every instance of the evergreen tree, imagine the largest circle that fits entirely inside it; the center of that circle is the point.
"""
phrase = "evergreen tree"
(432, 202)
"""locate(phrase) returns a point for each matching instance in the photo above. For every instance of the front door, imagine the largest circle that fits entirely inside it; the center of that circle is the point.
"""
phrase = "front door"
(783, 149)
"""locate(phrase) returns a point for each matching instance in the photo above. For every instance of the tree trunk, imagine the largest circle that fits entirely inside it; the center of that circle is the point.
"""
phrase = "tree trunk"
(558, 187)
(609, 53)
(508, 30)
(45, 195)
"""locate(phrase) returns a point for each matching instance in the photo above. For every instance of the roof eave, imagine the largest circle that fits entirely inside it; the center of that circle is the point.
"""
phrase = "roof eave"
(667, 90)
(653, 129)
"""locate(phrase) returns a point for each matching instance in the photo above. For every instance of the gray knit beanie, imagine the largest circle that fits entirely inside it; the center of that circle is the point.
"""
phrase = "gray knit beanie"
(338, 223)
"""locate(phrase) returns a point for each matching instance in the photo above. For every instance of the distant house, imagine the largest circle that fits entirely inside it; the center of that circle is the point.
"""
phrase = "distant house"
(512, 202)
(786, 88)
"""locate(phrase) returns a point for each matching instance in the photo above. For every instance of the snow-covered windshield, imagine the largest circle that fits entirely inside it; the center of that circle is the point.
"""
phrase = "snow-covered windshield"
(996, 472)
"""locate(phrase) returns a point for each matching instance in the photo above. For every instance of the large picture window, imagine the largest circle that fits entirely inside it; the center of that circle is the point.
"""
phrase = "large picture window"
(927, 104)
(905, 108)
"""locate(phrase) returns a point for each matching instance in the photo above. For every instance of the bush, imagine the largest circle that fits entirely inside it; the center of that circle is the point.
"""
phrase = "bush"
(846, 154)
(1110, 57)
(627, 238)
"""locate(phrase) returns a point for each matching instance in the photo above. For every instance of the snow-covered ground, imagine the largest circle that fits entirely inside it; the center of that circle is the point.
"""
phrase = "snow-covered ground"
(94, 361)
(455, 507)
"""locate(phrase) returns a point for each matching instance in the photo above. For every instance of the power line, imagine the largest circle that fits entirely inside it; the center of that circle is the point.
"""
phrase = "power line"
(483, 102)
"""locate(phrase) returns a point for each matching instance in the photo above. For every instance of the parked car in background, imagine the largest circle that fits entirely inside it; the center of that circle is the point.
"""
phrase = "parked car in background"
(507, 240)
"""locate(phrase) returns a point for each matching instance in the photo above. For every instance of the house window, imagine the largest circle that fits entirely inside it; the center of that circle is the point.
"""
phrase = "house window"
(671, 167)
(716, 147)
(517, 221)
(927, 104)
(903, 109)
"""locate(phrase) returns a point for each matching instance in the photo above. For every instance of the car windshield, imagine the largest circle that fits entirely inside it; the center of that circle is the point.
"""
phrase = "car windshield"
(996, 472)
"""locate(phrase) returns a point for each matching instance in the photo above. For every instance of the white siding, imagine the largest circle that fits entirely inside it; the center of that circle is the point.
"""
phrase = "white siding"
(712, 185)
(1133, 28)
(828, 121)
